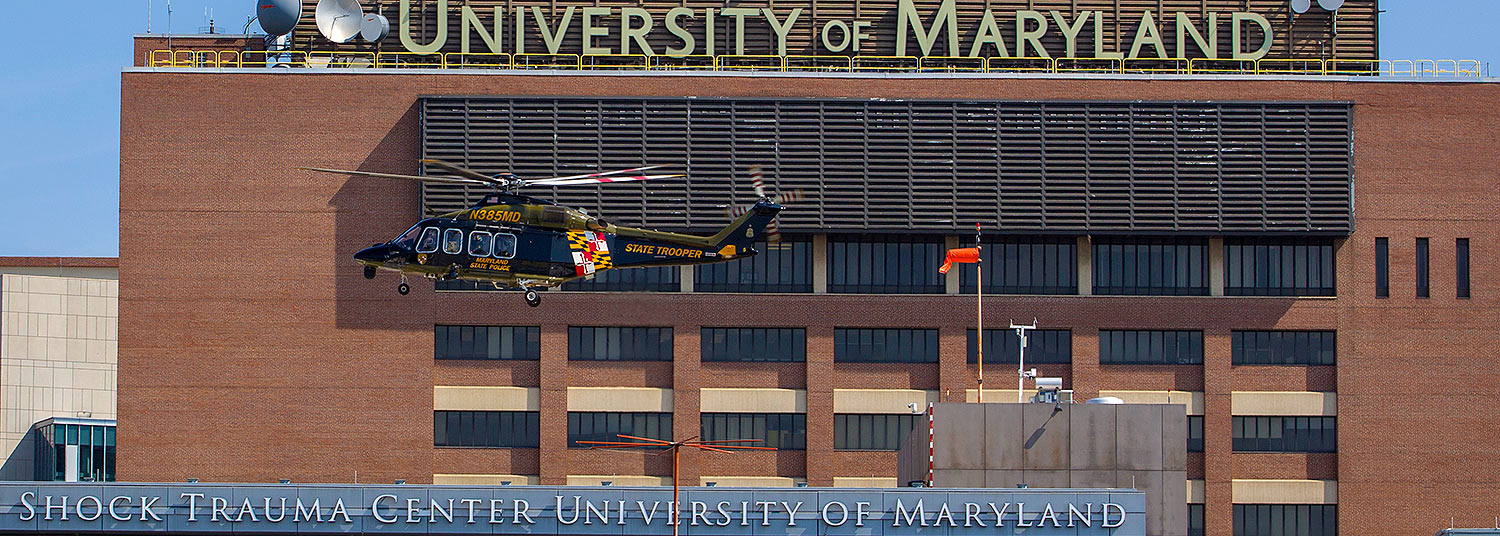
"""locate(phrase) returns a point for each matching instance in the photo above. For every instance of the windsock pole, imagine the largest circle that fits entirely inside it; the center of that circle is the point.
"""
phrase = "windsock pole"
(979, 292)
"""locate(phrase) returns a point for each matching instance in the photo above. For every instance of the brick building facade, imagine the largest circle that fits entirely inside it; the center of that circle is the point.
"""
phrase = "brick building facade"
(251, 349)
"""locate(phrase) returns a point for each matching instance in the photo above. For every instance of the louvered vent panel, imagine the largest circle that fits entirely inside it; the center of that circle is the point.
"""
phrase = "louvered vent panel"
(924, 166)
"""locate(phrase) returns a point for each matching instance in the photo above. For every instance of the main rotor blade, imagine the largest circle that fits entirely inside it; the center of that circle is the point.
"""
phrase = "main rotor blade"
(606, 173)
(464, 172)
(705, 442)
(571, 182)
(393, 176)
(660, 441)
(710, 448)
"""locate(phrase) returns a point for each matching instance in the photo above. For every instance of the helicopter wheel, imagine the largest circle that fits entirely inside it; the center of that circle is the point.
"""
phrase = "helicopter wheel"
(369, 272)
(403, 288)
(532, 298)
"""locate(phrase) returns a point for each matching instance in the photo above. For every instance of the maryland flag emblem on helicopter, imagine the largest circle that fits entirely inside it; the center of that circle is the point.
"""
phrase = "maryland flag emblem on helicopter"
(590, 251)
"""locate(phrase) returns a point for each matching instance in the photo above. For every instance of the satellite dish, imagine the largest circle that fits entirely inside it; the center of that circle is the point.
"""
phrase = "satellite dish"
(278, 17)
(1331, 5)
(338, 20)
(1301, 6)
(374, 27)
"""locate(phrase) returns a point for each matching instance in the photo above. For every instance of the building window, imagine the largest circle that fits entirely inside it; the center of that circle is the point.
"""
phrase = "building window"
(1278, 267)
(892, 265)
(1285, 434)
(1026, 266)
(1382, 267)
(1282, 347)
(863, 345)
(785, 431)
(858, 431)
(487, 342)
(1151, 267)
(619, 344)
(1461, 271)
(1195, 433)
(754, 344)
(1153, 347)
(498, 429)
(609, 425)
(80, 450)
(1422, 281)
(1195, 519)
(1043, 346)
(1286, 519)
(650, 278)
(784, 266)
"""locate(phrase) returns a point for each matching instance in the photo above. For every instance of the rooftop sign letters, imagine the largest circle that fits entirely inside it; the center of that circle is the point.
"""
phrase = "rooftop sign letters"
(563, 510)
(932, 29)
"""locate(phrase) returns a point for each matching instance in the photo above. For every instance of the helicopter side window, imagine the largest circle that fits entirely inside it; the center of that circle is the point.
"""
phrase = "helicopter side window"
(505, 245)
(429, 241)
(453, 241)
(479, 244)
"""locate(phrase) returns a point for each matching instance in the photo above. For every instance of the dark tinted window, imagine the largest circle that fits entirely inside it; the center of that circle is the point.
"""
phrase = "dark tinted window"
(785, 431)
(1151, 267)
(1042, 346)
(1285, 434)
(1195, 433)
(1286, 519)
(1423, 288)
(785, 266)
(1150, 347)
(1278, 267)
(619, 344)
(487, 342)
(651, 278)
(1461, 256)
(858, 431)
(1382, 268)
(1282, 347)
(607, 426)
(1025, 266)
(485, 429)
(885, 345)
(892, 265)
(754, 344)
(1195, 520)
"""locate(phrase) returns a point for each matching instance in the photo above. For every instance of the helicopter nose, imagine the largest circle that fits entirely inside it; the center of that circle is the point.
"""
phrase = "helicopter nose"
(371, 255)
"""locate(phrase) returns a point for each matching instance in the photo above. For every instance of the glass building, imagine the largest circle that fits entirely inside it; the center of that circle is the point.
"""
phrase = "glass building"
(75, 450)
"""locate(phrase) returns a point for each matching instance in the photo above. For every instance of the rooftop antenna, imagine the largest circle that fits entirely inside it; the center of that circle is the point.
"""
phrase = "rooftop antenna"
(1021, 372)
(675, 448)
(148, 16)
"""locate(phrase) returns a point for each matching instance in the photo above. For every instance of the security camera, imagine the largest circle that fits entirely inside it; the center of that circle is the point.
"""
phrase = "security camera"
(915, 408)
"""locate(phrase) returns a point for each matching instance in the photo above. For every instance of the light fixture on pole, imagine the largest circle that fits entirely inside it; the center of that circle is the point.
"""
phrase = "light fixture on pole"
(1021, 372)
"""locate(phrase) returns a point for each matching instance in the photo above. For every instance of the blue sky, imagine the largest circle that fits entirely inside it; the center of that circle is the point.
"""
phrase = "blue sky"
(60, 102)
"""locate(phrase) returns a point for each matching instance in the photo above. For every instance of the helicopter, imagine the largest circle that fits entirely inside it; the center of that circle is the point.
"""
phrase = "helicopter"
(518, 242)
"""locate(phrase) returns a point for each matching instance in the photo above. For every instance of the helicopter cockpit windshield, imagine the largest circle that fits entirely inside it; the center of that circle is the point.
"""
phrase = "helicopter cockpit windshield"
(408, 239)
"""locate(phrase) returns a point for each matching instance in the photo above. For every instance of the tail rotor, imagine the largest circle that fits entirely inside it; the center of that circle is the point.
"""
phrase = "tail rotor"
(773, 233)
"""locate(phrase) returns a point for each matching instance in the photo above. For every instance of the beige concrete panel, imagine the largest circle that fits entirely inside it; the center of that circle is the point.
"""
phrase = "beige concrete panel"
(820, 264)
(1195, 491)
(1006, 478)
(1285, 491)
(469, 398)
(1085, 266)
(1138, 433)
(642, 399)
(1151, 483)
(1092, 442)
(1045, 436)
(958, 478)
(619, 480)
(954, 443)
(1004, 450)
(1046, 478)
(1216, 267)
(865, 482)
(1284, 403)
(1174, 438)
(1192, 399)
(1091, 479)
(881, 400)
(715, 400)
(749, 481)
(994, 395)
(484, 480)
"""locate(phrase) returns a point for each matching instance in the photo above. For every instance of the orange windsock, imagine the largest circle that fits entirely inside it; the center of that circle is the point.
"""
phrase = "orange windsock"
(969, 255)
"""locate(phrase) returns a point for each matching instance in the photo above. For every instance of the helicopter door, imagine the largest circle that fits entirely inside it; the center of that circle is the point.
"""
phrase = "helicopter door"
(429, 241)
